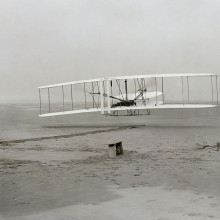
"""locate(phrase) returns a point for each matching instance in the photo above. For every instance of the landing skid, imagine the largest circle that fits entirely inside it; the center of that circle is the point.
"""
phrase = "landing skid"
(130, 113)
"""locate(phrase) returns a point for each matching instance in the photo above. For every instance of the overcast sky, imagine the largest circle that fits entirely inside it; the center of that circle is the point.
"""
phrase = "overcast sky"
(48, 41)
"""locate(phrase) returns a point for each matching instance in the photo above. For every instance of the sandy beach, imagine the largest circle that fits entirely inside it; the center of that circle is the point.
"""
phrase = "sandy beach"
(68, 174)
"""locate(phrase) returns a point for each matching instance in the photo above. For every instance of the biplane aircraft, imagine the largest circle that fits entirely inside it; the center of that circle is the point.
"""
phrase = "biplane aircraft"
(129, 94)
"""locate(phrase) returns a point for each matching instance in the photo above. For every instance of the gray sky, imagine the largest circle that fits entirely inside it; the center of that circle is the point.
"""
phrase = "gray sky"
(48, 41)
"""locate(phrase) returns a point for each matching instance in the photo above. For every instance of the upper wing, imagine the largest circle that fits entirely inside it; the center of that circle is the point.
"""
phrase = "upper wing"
(70, 83)
(162, 75)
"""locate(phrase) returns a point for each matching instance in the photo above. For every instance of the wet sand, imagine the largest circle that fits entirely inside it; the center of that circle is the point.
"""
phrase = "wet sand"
(163, 174)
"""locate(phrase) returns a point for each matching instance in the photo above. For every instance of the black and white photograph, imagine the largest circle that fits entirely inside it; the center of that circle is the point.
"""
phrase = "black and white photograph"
(109, 109)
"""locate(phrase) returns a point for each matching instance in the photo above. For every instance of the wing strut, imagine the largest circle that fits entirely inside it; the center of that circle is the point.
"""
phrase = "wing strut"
(49, 98)
(63, 96)
(85, 93)
(188, 87)
(156, 88)
(104, 92)
(182, 90)
(111, 92)
(119, 88)
(135, 87)
(101, 96)
(126, 89)
(145, 89)
(216, 87)
(162, 90)
(108, 96)
(212, 89)
(40, 100)
(72, 95)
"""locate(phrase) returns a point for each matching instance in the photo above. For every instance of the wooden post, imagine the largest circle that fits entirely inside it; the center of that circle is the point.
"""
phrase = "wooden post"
(112, 150)
(115, 149)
